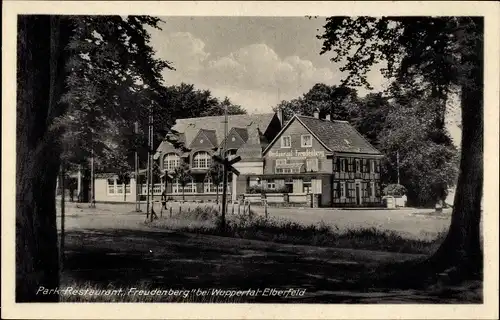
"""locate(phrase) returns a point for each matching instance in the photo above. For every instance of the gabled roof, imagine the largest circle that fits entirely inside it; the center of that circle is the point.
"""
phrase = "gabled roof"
(336, 136)
(191, 126)
(252, 149)
(205, 134)
(235, 133)
(242, 132)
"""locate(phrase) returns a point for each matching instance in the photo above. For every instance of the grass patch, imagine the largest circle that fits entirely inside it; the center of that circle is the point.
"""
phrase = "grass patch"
(206, 220)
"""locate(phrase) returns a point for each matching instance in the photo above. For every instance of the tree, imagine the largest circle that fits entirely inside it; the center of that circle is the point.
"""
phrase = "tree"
(440, 54)
(69, 68)
(215, 172)
(182, 174)
(371, 116)
(340, 102)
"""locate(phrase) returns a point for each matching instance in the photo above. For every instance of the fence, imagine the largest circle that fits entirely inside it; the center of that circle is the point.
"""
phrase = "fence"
(240, 208)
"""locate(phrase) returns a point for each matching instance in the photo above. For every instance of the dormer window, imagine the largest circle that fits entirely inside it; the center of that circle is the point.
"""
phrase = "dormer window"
(201, 160)
(286, 142)
(170, 161)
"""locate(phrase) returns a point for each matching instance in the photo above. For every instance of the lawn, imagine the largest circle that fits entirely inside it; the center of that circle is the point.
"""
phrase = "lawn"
(111, 247)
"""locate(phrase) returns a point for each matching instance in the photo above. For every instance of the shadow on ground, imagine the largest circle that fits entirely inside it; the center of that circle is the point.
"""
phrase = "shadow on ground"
(170, 260)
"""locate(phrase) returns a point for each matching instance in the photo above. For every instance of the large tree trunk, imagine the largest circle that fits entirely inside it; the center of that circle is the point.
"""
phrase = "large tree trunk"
(38, 157)
(461, 248)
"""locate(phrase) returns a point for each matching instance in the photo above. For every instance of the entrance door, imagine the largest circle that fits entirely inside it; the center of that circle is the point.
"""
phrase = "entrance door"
(358, 193)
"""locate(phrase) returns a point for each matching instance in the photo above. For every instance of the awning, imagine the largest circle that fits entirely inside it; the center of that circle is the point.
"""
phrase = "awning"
(296, 165)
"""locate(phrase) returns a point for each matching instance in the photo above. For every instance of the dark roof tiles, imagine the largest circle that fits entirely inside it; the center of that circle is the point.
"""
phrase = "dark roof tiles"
(339, 136)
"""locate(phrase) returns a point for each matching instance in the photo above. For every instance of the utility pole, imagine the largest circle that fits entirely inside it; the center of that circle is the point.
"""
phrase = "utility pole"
(397, 160)
(148, 175)
(137, 199)
(92, 191)
(151, 161)
(224, 175)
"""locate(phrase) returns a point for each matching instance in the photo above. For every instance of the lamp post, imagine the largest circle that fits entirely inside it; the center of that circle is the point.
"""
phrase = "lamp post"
(136, 158)
(397, 162)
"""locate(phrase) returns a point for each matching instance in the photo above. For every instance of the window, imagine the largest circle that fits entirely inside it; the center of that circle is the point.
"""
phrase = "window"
(210, 187)
(342, 189)
(377, 166)
(280, 162)
(343, 165)
(201, 160)
(118, 186)
(111, 186)
(231, 153)
(286, 142)
(349, 165)
(190, 187)
(171, 161)
(271, 185)
(371, 190)
(306, 187)
(306, 140)
(312, 164)
(358, 165)
(372, 166)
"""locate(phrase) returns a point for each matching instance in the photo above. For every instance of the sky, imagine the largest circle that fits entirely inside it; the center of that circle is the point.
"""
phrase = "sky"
(254, 61)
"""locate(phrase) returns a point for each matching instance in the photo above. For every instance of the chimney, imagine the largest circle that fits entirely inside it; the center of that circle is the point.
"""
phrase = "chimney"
(316, 114)
(328, 117)
(279, 113)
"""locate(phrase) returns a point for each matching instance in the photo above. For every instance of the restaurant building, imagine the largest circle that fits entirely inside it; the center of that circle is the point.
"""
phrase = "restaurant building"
(322, 162)
(204, 137)
(306, 162)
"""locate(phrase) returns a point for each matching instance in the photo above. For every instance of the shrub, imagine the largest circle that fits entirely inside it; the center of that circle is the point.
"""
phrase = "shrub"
(261, 189)
(394, 190)
(252, 226)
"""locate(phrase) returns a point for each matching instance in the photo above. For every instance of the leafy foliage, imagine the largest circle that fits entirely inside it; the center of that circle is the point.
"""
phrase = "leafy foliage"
(182, 174)
(394, 190)
(263, 189)
(404, 123)
(339, 102)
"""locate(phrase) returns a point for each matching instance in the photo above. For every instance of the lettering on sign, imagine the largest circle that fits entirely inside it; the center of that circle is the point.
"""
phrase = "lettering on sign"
(297, 154)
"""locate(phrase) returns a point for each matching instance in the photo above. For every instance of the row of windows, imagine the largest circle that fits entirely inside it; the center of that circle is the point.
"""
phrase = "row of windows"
(342, 165)
(283, 166)
(356, 165)
(306, 186)
(345, 189)
(305, 141)
(190, 187)
(116, 186)
(201, 160)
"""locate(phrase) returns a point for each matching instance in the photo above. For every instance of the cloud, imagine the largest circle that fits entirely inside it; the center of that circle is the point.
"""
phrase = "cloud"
(258, 67)
(251, 72)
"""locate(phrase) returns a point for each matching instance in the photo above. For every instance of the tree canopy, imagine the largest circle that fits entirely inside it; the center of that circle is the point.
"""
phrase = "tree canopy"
(403, 123)
(429, 56)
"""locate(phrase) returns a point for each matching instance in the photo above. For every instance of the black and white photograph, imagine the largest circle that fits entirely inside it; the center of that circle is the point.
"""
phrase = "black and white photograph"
(246, 158)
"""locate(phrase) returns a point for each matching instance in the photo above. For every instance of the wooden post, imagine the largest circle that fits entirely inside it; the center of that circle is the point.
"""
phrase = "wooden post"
(239, 206)
(170, 211)
(180, 208)
(232, 209)
(265, 208)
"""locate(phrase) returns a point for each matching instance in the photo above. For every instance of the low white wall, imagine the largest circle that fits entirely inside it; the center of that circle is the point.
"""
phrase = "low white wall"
(297, 197)
(275, 198)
